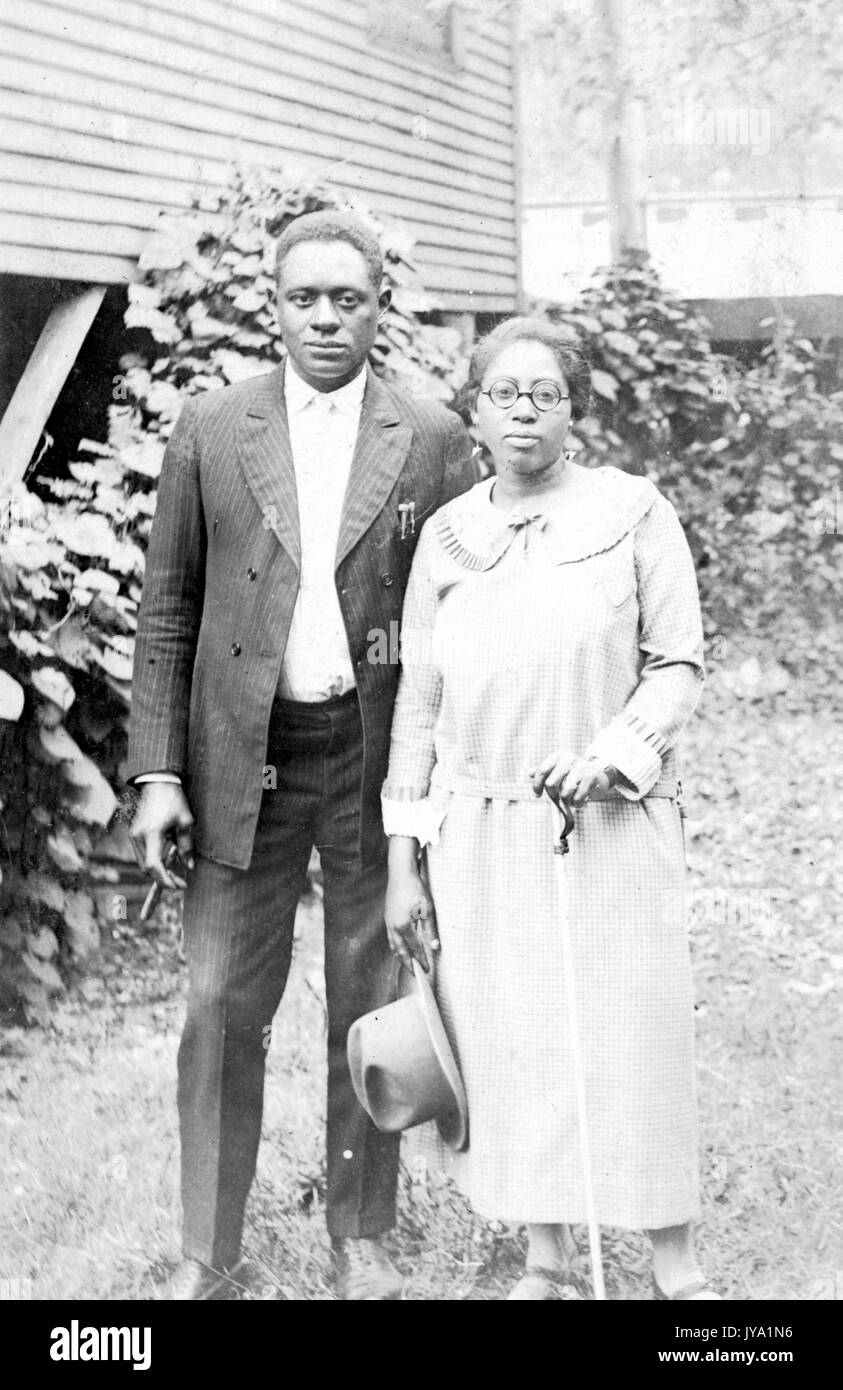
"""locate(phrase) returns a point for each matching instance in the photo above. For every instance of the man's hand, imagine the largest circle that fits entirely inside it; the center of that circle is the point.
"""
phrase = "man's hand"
(408, 913)
(573, 780)
(163, 815)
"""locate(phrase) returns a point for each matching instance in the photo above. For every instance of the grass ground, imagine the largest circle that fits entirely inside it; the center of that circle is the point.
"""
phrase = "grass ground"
(88, 1143)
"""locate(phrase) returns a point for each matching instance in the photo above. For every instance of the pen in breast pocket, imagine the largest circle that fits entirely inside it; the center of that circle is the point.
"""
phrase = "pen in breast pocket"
(407, 513)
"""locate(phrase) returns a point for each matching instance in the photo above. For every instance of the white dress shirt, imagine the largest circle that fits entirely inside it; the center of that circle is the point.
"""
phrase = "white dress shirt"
(323, 432)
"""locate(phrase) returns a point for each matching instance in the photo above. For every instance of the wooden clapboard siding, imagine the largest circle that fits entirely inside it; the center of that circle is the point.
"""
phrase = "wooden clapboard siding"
(114, 239)
(296, 40)
(243, 64)
(108, 115)
(26, 177)
(437, 201)
(259, 127)
(178, 93)
(57, 263)
(26, 128)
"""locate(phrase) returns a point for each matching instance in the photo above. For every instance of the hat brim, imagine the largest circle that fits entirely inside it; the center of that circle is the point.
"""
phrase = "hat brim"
(454, 1127)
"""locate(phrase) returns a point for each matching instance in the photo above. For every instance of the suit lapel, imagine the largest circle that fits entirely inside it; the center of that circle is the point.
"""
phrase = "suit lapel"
(267, 462)
(379, 454)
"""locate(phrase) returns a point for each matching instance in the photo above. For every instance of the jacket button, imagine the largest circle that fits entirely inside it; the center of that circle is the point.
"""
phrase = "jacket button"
(235, 649)
(253, 574)
(386, 580)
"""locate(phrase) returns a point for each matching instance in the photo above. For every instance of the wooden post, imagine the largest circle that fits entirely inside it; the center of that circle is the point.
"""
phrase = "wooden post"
(43, 377)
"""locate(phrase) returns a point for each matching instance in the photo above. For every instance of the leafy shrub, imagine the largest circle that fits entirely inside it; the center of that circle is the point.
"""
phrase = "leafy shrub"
(751, 459)
(69, 588)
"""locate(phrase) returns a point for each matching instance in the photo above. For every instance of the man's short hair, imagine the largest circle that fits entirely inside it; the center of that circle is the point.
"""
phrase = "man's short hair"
(332, 226)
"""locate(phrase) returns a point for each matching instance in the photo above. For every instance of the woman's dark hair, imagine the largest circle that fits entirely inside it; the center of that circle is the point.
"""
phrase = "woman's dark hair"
(563, 343)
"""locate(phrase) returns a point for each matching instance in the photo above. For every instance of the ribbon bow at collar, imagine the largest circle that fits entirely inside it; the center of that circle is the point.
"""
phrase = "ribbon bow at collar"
(519, 519)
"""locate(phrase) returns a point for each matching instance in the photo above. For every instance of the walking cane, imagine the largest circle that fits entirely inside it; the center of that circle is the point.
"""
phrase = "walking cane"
(564, 817)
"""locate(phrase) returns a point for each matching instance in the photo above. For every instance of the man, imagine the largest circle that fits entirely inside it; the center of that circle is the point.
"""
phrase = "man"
(288, 510)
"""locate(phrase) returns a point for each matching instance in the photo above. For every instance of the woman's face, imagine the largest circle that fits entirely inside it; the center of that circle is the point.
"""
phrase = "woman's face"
(521, 438)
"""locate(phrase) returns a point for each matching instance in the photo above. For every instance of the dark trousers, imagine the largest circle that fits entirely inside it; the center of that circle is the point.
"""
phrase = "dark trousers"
(238, 931)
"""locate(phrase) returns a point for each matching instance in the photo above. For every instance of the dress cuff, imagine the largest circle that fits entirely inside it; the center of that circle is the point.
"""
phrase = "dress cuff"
(420, 820)
(634, 756)
(172, 777)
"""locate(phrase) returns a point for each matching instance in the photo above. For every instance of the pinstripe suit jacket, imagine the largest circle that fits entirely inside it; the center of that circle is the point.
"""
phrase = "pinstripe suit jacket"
(222, 577)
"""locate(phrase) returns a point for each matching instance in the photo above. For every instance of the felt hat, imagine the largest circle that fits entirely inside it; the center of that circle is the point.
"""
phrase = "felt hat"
(403, 1068)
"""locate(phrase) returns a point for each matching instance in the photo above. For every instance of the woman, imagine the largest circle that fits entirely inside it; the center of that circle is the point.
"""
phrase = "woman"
(552, 642)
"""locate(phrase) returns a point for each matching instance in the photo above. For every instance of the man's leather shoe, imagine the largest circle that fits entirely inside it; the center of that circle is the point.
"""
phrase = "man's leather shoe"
(363, 1272)
(195, 1282)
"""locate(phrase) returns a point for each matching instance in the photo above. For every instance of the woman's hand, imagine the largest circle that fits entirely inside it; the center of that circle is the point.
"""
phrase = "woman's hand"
(408, 912)
(573, 780)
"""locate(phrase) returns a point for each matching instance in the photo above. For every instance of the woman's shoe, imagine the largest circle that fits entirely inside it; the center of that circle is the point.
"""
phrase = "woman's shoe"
(696, 1288)
(536, 1285)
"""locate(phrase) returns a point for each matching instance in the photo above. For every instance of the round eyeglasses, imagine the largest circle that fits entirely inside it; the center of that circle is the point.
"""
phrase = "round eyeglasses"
(545, 395)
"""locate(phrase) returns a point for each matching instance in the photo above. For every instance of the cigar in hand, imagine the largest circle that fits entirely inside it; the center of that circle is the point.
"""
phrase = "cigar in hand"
(153, 897)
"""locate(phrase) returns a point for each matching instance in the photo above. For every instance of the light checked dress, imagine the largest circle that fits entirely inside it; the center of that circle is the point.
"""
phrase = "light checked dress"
(574, 629)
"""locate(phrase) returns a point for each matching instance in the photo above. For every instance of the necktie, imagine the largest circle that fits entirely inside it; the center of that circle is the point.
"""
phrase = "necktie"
(322, 405)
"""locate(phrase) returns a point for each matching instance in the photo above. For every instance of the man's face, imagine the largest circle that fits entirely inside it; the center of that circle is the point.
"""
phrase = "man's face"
(328, 311)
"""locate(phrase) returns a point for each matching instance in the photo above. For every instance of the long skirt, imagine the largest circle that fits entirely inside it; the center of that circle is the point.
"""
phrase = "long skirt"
(502, 993)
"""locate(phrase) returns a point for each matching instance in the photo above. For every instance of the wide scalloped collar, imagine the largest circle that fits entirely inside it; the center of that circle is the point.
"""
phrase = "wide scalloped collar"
(476, 533)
